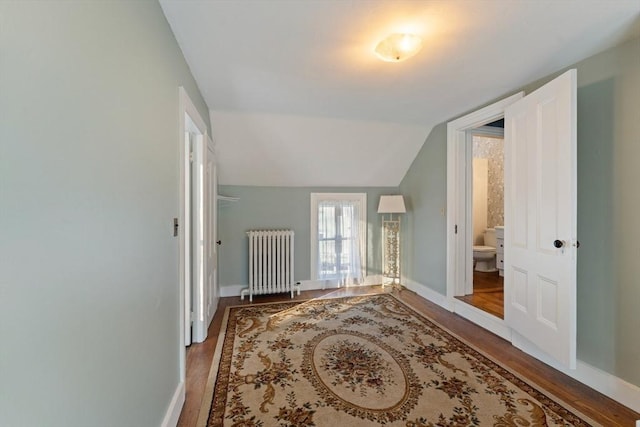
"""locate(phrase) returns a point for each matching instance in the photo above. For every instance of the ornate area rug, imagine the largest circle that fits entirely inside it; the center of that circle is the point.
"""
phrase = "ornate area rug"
(361, 361)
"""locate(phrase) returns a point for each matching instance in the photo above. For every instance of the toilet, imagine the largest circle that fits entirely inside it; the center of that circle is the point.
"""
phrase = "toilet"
(484, 257)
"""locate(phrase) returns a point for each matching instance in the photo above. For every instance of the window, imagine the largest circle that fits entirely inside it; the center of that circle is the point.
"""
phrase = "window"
(338, 236)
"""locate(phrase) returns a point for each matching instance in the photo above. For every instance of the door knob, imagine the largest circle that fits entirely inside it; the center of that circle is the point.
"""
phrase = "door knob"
(558, 243)
(219, 242)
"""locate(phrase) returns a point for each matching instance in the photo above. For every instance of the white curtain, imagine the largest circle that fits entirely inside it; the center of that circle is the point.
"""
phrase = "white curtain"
(340, 241)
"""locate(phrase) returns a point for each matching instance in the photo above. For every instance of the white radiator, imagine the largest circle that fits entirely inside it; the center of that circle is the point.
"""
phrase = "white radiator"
(270, 263)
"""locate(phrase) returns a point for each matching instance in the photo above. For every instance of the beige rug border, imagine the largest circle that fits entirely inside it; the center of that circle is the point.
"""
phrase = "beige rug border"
(207, 398)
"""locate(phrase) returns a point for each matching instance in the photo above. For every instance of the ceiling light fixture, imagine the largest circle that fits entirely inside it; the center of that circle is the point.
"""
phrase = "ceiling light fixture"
(398, 47)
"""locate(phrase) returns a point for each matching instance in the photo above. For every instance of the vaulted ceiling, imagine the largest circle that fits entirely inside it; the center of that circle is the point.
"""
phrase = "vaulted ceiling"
(298, 98)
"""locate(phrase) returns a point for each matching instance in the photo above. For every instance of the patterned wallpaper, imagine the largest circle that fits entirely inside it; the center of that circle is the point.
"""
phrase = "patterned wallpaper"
(493, 150)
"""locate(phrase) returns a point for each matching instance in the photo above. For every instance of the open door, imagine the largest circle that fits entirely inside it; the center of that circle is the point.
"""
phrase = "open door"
(186, 256)
(540, 219)
(198, 238)
(211, 252)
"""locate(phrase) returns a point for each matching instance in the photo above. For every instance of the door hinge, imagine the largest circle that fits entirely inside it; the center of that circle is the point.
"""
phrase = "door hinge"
(175, 227)
(456, 229)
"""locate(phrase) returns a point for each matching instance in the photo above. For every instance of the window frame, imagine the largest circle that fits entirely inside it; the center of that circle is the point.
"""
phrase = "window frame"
(316, 198)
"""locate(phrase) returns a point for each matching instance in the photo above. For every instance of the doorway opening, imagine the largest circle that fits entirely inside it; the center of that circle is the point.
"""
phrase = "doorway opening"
(195, 228)
(485, 194)
(460, 266)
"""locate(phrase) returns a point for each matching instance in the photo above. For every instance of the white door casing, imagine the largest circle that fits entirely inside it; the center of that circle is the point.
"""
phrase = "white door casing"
(540, 208)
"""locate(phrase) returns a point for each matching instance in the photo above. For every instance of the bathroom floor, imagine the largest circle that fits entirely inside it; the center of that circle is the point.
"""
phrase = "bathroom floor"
(488, 293)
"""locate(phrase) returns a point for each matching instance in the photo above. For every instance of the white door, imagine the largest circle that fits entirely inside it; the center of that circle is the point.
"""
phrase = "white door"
(211, 252)
(203, 250)
(187, 248)
(540, 219)
(198, 203)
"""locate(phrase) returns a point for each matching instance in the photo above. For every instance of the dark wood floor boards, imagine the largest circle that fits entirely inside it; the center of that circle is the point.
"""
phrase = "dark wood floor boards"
(591, 403)
(488, 293)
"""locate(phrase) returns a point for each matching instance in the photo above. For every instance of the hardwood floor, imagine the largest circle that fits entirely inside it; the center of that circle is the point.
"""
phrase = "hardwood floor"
(488, 293)
(487, 282)
(591, 403)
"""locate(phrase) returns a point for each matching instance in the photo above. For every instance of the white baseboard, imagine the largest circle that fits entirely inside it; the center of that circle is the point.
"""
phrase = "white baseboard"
(599, 380)
(231, 290)
(305, 285)
(175, 407)
(312, 285)
(374, 279)
(482, 318)
(479, 317)
(427, 293)
(608, 384)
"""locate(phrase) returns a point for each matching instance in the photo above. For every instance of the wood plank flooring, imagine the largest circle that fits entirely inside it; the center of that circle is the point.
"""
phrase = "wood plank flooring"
(591, 403)
(488, 293)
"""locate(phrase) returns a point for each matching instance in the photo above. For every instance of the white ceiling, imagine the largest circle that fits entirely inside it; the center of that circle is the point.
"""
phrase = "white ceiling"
(297, 97)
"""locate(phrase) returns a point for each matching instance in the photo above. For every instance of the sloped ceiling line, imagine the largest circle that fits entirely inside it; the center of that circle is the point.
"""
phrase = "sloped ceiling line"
(298, 98)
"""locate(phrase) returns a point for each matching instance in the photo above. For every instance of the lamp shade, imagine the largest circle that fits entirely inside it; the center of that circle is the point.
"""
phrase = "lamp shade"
(391, 204)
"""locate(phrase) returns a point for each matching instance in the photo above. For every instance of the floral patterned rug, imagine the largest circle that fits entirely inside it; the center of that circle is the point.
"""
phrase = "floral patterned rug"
(361, 361)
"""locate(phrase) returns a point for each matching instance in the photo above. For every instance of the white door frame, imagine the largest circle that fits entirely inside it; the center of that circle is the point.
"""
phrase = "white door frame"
(459, 249)
(189, 121)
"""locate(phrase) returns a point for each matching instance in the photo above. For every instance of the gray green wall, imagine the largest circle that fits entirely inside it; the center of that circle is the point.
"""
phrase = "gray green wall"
(283, 207)
(424, 187)
(608, 206)
(89, 186)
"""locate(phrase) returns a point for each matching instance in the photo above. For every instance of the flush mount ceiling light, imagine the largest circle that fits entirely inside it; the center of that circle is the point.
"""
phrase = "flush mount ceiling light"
(398, 47)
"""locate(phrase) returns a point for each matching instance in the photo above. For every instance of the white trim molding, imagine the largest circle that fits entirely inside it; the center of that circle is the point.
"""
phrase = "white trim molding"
(231, 290)
(481, 318)
(306, 285)
(175, 407)
(607, 384)
(603, 382)
(427, 293)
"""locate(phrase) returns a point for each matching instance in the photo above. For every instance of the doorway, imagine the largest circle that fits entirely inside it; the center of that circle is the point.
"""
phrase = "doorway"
(459, 214)
(485, 194)
(540, 241)
(195, 228)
